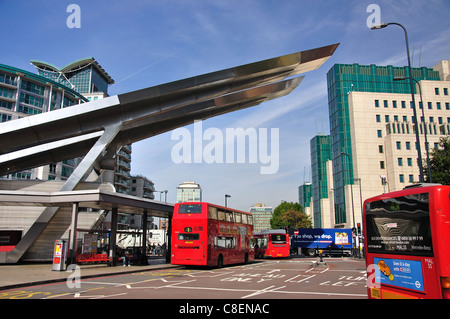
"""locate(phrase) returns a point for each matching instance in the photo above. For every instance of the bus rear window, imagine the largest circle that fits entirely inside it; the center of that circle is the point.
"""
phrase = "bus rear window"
(190, 209)
(399, 225)
(278, 238)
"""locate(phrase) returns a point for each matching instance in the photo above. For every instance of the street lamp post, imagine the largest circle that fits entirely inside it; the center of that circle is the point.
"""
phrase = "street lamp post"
(402, 78)
(351, 190)
(356, 179)
(419, 153)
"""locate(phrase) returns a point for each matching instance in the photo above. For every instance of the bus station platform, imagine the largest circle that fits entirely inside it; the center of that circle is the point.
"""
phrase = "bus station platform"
(23, 275)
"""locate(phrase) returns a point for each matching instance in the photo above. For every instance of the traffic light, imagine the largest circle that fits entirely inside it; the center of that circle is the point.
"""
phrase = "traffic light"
(358, 225)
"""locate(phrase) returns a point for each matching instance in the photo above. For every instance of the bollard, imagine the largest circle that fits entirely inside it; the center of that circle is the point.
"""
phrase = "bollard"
(320, 255)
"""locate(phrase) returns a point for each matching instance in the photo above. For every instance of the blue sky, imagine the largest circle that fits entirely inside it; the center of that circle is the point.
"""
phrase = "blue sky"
(146, 43)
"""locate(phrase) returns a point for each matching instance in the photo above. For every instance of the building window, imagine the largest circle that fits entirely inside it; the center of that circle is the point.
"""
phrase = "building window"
(377, 103)
(445, 91)
(399, 145)
(378, 117)
(411, 178)
(430, 105)
(380, 149)
(436, 91)
(408, 145)
(400, 161)
(409, 161)
(403, 105)
(402, 178)
(386, 118)
(438, 105)
(379, 134)
(394, 104)
(385, 102)
(381, 164)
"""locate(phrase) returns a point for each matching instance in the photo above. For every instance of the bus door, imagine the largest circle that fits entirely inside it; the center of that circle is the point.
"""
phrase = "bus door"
(399, 250)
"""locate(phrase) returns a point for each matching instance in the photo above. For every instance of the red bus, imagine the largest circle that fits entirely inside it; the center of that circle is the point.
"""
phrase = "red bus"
(407, 243)
(204, 234)
(271, 243)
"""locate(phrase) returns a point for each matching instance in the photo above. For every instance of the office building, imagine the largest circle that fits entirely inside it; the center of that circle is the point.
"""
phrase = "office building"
(262, 215)
(372, 140)
(305, 198)
(320, 155)
(189, 192)
(22, 94)
(85, 76)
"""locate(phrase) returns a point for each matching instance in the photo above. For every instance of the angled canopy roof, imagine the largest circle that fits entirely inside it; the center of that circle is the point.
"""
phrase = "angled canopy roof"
(72, 67)
(70, 132)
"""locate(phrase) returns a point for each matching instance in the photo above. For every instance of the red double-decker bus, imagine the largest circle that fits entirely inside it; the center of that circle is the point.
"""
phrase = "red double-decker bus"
(204, 234)
(407, 243)
(271, 243)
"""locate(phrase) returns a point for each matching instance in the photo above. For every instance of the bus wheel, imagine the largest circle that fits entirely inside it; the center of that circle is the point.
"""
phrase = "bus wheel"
(311, 252)
(246, 258)
(220, 261)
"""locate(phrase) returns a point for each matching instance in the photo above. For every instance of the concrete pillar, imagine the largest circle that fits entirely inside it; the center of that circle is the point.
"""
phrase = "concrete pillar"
(144, 237)
(169, 240)
(73, 235)
(113, 236)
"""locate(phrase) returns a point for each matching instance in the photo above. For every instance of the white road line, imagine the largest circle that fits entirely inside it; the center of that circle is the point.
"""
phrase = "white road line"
(263, 291)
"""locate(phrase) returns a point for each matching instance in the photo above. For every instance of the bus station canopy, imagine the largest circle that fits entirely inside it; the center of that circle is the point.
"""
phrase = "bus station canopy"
(96, 199)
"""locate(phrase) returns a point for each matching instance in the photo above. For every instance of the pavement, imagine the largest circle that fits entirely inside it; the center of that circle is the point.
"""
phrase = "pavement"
(23, 275)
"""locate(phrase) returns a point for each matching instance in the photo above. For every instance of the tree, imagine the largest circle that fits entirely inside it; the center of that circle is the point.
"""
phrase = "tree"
(439, 163)
(291, 215)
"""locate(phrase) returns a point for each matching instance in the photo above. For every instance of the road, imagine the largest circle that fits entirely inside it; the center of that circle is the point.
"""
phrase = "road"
(295, 278)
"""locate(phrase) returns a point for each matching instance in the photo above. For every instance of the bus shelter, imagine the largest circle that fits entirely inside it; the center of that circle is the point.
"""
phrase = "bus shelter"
(95, 199)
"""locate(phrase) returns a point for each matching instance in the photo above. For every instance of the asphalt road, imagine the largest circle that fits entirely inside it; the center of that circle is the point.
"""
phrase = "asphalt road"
(296, 278)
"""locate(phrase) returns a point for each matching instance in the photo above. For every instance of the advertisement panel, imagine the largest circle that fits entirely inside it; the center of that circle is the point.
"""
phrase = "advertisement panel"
(323, 238)
(399, 273)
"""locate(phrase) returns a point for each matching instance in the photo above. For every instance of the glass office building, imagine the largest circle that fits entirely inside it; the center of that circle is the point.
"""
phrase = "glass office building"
(262, 215)
(84, 75)
(342, 79)
(320, 153)
(189, 192)
(22, 94)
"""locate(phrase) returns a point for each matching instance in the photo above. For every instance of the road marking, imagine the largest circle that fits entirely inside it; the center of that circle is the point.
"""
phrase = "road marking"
(78, 295)
(297, 281)
(263, 291)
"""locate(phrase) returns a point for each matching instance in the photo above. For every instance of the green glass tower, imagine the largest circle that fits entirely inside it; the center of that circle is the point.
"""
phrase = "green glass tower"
(320, 154)
(341, 80)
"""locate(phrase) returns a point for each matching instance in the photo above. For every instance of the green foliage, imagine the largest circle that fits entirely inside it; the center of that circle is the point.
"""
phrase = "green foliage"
(439, 163)
(290, 214)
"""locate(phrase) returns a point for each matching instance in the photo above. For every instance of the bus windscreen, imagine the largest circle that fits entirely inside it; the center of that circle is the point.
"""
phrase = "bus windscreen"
(399, 225)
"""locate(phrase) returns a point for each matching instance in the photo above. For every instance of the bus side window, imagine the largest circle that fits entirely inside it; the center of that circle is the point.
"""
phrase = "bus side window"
(229, 216)
(238, 217)
(244, 219)
(212, 212)
(220, 215)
